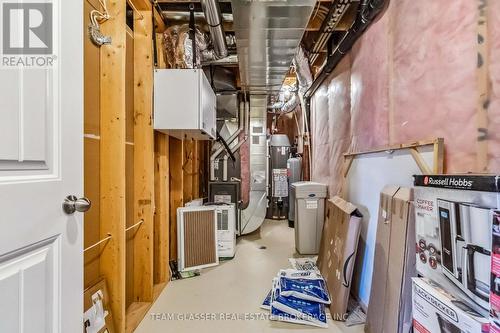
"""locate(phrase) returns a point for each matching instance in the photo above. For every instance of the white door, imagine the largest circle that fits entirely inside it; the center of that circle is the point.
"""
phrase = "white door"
(41, 131)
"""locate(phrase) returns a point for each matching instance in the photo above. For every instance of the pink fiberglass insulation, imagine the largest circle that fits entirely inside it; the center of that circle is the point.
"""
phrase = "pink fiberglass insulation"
(331, 138)
(411, 76)
(494, 70)
(434, 76)
(370, 88)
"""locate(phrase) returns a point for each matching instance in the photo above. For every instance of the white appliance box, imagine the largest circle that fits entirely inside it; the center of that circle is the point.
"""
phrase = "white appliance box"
(184, 104)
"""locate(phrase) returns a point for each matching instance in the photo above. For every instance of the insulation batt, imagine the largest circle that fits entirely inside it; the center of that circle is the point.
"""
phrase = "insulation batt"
(494, 66)
(411, 76)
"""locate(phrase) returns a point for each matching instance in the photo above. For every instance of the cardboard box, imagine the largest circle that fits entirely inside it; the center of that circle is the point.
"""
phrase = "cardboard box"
(435, 310)
(454, 215)
(495, 275)
(92, 295)
(390, 305)
(339, 244)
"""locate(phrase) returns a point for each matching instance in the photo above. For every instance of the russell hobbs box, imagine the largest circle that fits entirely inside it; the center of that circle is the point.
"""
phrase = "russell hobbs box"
(454, 219)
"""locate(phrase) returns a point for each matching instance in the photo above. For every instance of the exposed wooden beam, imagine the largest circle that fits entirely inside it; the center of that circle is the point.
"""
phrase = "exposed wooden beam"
(143, 156)
(196, 169)
(439, 165)
(112, 159)
(160, 25)
(176, 189)
(422, 164)
(162, 205)
(415, 144)
(187, 168)
(140, 5)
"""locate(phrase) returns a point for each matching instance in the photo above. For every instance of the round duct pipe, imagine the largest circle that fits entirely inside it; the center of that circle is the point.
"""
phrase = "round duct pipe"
(212, 12)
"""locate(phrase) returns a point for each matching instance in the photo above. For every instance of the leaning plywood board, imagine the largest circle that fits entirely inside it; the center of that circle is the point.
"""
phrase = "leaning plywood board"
(365, 179)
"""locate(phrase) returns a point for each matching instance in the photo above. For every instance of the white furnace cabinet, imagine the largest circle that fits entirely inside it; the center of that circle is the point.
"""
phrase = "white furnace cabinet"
(184, 104)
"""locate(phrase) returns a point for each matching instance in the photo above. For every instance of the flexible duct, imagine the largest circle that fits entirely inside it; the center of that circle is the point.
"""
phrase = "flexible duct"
(178, 48)
(302, 70)
(213, 16)
(288, 101)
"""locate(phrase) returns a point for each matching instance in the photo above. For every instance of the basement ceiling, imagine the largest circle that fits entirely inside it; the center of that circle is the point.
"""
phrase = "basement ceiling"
(267, 36)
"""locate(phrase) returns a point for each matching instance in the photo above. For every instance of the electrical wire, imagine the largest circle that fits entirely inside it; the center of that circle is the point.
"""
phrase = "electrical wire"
(97, 16)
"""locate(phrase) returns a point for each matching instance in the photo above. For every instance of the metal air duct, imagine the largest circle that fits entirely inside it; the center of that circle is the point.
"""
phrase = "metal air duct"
(267, 36)
(213, 16)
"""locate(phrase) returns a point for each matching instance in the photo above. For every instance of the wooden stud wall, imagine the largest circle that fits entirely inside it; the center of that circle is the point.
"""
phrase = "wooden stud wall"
(176, 161)
(129, 169)
(188, 169)
(91, 154)
(162, 205)
(187, 164)
(126, 166)
(135, 177)
(112, 159)
(143, 222)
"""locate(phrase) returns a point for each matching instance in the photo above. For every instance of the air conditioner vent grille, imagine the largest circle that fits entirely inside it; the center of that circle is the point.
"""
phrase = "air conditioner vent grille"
(223, 220)
(200, 243)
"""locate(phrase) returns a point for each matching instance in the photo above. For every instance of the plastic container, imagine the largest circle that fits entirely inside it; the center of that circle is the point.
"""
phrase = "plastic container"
(309, 215)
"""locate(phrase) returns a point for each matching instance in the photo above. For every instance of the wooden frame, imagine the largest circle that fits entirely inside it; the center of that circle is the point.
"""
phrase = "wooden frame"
(437, 168)
(176, 161)
(112, 159)
(162, 206)
(150, 163)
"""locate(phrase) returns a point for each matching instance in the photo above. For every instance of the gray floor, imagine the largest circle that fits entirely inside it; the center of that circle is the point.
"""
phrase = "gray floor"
(232, 290)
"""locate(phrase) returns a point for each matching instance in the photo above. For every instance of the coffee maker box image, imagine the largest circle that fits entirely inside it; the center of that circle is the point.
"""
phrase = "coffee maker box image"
(437, 311)
(454, 218)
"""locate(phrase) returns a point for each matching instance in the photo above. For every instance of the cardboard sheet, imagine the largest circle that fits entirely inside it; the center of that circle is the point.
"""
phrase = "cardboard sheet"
(390, 300)
(376, 307)
(339, 244)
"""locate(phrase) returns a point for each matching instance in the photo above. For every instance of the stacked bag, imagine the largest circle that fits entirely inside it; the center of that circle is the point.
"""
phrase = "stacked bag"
(298, 296)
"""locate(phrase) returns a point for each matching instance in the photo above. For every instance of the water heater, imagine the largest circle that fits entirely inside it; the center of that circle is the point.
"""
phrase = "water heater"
(279, 152)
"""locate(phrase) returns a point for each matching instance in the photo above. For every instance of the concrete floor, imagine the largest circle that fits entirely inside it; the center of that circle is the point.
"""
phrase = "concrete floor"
(234, 289)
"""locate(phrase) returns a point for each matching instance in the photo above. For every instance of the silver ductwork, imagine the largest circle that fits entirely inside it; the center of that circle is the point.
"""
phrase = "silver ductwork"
(267, 36)
(213, 16)
(230, 141)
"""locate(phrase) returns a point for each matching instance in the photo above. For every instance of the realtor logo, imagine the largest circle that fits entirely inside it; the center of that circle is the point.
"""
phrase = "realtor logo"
(27, 28)
(27, 34)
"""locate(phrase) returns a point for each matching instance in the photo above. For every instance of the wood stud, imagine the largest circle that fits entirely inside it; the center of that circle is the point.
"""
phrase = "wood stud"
(151, 166)
(112, 159)
(162, 205)
(143, 157)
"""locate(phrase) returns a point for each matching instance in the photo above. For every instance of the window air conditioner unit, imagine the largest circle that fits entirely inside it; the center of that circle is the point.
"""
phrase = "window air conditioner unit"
(196, 238)
(184, 104)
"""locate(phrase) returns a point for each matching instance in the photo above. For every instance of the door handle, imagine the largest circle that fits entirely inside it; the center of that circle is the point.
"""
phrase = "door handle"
(72, 204)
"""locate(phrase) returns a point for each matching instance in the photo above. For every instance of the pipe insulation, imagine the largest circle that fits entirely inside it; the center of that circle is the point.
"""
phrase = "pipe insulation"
(213, 15)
